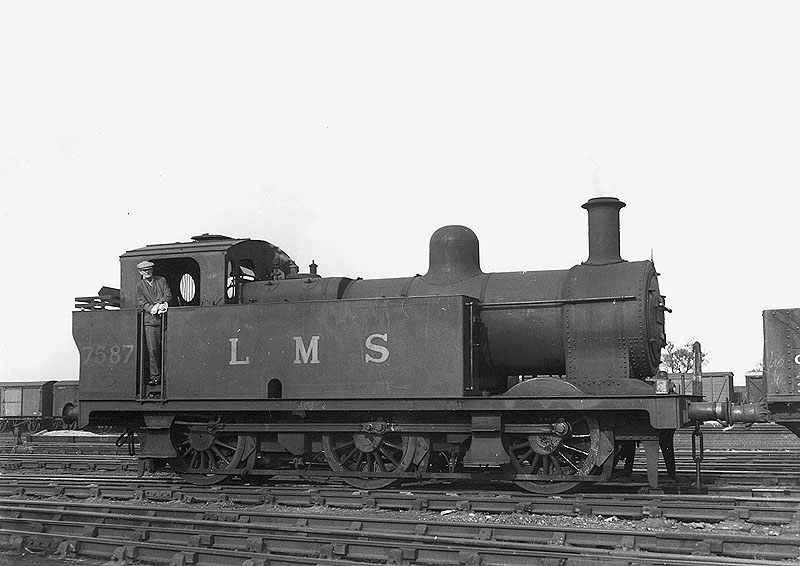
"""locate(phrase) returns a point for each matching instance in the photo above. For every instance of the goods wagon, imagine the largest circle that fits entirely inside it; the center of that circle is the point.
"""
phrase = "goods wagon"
(36, 405)
(781, 376)
(754, 387)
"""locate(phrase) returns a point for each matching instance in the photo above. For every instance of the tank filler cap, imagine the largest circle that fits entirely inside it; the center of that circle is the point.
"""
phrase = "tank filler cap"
(206, 237)
(454, 255)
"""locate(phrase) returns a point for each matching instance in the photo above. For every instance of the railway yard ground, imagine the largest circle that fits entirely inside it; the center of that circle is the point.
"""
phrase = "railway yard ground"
(72, 499)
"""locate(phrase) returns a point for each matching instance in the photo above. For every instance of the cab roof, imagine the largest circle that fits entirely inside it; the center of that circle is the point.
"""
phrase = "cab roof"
(199, 244)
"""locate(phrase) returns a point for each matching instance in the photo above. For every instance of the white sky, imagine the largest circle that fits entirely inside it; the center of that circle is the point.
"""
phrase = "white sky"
(347, 132)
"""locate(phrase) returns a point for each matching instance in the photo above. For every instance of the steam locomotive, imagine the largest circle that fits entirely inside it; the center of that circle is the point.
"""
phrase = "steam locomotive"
(529, 376)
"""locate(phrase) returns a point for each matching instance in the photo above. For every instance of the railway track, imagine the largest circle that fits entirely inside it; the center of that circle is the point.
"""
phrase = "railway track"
(68, 462)
(720, 471)
(189, 535)
(743, 512)
(55, 514)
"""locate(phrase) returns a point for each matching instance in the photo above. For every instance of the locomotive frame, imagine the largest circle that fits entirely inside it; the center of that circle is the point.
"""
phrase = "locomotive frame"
(532, 376)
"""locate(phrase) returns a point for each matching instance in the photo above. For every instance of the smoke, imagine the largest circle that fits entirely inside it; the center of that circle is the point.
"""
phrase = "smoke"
(597, 183)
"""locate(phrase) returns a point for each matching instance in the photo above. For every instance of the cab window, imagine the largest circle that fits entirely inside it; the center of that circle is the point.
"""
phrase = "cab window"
(238, 273)
(183, 277)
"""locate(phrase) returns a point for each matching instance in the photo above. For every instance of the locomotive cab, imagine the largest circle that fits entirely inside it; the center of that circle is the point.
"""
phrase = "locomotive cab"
(210, 270)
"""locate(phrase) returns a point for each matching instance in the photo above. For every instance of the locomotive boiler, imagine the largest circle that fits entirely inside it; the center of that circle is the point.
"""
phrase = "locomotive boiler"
(532, 376)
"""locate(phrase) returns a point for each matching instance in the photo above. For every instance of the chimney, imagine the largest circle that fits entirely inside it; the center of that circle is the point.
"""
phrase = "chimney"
(603, 230)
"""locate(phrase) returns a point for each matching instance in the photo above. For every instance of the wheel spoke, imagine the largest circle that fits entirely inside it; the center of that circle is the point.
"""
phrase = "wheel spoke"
(199, 449)
(523, 444)
(389, 456)
(342, 447)
(574, 449)
(556, 466)
(389, 453)
(359, 461)
(225, 445)
(396, 446)
(552, 455)
(570, 464)
(526, 455)
(220, 456)
(355, 451)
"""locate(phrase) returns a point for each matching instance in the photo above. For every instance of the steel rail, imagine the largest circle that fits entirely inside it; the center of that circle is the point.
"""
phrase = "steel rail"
(209, 536)
(766, 509)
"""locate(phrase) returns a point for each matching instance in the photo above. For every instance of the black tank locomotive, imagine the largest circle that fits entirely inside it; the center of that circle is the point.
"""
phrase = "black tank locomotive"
(532, 376)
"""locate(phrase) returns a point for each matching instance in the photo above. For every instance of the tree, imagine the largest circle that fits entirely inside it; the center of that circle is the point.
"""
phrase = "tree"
(680, 359)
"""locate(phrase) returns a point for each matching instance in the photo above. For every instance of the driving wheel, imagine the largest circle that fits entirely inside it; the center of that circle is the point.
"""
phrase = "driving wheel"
(570, 451)
(385, 453)
(201, 448)
(575, 447)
